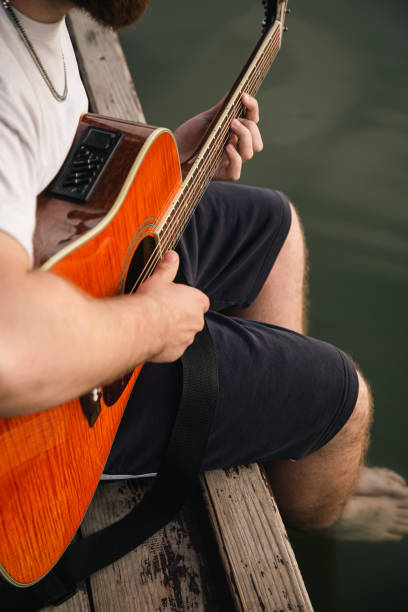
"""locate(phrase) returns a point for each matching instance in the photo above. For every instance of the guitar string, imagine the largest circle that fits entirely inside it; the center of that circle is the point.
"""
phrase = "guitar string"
(183, 214)
(192, 185)
(193, 188)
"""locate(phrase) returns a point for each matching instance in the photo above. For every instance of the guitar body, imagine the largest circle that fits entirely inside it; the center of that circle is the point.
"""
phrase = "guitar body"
(51, 462)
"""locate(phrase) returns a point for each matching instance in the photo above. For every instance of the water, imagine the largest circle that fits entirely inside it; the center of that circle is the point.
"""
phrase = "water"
(335, 130)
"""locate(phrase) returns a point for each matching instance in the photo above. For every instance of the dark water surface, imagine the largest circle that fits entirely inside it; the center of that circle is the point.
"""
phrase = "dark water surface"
(335, 127)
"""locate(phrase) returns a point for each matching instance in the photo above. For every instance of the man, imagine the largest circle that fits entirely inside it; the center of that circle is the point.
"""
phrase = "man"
(293, 402)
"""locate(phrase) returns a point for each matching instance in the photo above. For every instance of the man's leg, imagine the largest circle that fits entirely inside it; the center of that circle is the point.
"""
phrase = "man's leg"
(313, 491)
(283, 298)
(255, 256)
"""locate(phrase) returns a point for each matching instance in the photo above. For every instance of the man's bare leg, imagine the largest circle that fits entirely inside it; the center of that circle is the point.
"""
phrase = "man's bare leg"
(313, 492)
(282, 300)
(321, 483)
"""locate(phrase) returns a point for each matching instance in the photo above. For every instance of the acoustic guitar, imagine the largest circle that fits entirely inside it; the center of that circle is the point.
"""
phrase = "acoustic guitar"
(116, 206)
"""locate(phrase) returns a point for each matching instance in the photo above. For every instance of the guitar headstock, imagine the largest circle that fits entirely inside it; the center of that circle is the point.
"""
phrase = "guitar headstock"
(275, 10)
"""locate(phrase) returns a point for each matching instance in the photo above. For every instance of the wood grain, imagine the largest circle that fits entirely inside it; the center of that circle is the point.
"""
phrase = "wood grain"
(104, 69)
(257, 556)
(167, 572)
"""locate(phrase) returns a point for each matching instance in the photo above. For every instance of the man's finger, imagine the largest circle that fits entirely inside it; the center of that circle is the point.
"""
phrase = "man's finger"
(205, 301)
(252, 107)
(257, 143)
(245, 147)
(167, 268)
(234, 140)
(233, 171)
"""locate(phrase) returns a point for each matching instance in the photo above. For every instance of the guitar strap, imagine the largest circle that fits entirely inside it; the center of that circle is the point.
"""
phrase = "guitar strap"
(178, 472)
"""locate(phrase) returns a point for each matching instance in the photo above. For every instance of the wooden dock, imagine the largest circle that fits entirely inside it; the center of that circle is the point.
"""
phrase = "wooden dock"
(228, 548)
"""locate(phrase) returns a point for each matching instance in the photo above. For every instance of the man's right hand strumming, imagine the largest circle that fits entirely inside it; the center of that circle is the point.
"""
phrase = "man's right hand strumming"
(58, 342)
(178, 310)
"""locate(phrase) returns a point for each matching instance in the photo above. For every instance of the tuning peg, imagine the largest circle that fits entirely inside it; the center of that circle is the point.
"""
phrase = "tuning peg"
(288, 11)
(285, 29)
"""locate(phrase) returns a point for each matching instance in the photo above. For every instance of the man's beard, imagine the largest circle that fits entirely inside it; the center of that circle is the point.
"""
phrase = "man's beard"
(114, 13)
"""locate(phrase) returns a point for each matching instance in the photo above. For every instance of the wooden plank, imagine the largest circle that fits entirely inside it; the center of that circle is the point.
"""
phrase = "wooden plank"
(253, 543)
(104, 69)
(167, 572)
(173, 570)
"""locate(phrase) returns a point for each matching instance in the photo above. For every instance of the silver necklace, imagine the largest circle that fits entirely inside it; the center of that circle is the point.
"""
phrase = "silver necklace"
(16, 22)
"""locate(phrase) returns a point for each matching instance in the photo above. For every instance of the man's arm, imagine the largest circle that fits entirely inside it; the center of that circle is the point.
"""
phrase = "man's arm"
(57, 342)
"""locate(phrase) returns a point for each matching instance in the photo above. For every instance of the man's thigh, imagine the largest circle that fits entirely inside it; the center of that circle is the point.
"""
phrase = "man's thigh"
(282, 395)
(232, 242)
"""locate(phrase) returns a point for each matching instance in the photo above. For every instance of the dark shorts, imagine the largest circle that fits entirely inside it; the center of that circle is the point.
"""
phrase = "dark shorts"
(282, 395)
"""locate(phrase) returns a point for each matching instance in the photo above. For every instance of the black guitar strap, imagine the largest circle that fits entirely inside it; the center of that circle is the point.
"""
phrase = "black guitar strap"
(178, 473)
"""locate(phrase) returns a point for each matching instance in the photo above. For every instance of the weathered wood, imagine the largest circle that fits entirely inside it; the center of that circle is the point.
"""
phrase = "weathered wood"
(165, 573)
(253, 543)
(173, 570)
(104, 69)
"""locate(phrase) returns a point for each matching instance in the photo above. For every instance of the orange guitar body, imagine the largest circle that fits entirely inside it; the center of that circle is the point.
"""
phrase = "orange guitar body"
(51, 462)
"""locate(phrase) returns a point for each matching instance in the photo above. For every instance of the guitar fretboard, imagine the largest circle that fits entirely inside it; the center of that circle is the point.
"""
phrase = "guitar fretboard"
(206, 162)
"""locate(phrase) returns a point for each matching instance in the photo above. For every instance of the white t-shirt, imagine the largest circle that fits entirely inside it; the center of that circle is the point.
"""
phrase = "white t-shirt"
(36, 131)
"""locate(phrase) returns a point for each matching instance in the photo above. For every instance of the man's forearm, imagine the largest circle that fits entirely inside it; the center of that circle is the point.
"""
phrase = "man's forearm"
(57, 343)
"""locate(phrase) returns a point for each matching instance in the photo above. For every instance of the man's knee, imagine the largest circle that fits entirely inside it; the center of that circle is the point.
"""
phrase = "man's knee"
(353, 437)
(364, 400)
(293, 253)
(344, 454)
(356, 430)
(296, 232)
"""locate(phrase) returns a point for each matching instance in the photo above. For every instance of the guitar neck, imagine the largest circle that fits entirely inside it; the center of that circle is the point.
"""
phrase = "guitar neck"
(201, 172)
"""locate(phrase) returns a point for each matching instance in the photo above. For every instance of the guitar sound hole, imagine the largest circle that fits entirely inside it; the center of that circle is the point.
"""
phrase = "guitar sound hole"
(111, 393)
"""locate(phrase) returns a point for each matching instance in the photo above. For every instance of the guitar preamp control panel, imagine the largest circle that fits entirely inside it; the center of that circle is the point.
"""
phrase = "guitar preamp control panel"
(85, 164)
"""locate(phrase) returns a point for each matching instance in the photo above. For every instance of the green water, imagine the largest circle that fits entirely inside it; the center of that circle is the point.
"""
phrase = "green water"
(335, 130)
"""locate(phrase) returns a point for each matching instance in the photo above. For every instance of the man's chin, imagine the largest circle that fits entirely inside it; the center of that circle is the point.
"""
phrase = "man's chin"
(114, 13)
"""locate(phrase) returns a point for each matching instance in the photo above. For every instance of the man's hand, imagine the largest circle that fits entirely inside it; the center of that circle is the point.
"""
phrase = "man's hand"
(245, 141)
(178, 310)
(57, 342)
